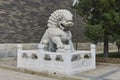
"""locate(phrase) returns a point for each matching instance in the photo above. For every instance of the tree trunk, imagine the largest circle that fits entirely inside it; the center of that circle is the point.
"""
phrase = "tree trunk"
(118, 49)
(106, 46)
(76, 30)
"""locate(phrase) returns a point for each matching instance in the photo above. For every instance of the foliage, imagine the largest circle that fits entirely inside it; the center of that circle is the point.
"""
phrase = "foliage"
(94, 32)
(101, 12)
(118, 44)
(104, 12)
(111, 55)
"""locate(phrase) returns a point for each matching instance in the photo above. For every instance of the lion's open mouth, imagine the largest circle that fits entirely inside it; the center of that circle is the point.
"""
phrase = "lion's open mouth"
(67, 25)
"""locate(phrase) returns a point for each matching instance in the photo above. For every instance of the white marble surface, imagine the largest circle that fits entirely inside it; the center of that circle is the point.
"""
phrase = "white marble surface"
(58, 34)
(67, 64)
(55, 53)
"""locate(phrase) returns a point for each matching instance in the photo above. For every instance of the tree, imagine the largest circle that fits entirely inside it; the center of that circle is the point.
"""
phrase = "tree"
(103, 12)
(118, 45)
(94, 32)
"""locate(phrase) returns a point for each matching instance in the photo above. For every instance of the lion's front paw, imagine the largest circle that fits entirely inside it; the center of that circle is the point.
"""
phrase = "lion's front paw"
(60, 50)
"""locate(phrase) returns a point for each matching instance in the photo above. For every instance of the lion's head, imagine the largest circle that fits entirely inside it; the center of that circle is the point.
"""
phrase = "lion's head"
(60, 18)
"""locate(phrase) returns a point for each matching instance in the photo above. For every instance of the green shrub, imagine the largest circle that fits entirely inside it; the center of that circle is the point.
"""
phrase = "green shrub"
(111, 55)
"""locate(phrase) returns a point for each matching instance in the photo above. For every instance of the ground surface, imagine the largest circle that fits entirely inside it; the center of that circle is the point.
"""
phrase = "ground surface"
(13, 75)
(103, 71)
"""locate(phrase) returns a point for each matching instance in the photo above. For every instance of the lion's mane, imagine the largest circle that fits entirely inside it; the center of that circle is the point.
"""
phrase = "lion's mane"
(58, 16)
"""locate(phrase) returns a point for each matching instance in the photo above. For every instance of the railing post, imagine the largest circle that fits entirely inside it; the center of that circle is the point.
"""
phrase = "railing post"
(41, 55)
(93, 53)
(67, 60)
(53, 69)
(19, 54)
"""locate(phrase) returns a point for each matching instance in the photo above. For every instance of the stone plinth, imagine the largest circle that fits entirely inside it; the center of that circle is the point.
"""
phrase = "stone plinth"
(66, 63)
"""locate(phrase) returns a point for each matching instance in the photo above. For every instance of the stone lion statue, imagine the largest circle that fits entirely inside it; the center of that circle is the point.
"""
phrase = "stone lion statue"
(58, 33)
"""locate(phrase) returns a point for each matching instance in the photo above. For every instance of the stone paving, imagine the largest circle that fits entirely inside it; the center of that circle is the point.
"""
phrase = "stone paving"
(12, 75)
(102, 72)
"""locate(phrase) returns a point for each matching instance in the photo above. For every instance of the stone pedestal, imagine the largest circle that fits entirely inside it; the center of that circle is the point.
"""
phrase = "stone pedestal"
(66, 63)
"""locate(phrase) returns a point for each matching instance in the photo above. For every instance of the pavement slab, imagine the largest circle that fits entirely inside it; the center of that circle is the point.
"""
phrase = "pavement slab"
(102, 72)
(13, 75)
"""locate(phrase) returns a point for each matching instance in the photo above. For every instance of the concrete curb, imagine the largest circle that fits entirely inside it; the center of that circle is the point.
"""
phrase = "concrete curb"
(55, 76)
(108, 64)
